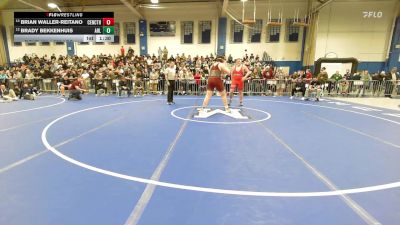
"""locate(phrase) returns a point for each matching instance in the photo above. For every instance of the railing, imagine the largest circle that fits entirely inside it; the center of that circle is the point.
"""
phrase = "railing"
(353, 88)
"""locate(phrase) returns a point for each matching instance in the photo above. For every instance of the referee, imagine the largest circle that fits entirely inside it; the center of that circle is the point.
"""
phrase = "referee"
(170, 76)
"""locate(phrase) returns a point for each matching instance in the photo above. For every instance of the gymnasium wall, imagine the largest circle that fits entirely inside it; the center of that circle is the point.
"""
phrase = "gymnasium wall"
(282, 51)
(181, 12)
(279, 51)
(344, 32)
(121, 15)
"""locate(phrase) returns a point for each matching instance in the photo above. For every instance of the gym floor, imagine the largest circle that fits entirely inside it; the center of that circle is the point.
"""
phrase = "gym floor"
(111, 161)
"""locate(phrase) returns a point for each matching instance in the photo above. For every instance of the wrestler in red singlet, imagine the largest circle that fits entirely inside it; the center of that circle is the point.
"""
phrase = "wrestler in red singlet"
(214, 79)
(238, 77)
(215, 82)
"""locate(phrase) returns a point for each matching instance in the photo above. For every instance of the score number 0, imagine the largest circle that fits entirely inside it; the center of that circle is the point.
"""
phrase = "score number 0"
(108, 25)
(108, 21)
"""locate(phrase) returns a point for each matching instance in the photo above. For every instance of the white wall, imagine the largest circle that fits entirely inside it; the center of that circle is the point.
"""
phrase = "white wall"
(342, 29)
(281, 51)
(181, 12)
(121, 15)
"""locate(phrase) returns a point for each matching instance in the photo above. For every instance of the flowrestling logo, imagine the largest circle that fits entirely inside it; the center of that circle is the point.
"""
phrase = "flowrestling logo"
(206, 113)
(372, 14)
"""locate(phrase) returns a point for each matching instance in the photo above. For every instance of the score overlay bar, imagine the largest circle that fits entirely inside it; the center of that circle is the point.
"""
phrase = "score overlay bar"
(64, 26)
(63, 37)
(55, 15)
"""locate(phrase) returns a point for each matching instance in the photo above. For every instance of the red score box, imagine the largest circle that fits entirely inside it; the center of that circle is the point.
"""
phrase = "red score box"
(108, 21)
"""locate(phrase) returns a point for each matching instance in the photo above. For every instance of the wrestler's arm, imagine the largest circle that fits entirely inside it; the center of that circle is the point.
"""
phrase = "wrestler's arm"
(247, 71)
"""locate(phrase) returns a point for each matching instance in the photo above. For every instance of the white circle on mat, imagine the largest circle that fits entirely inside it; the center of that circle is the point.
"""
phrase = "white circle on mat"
(32, 109)
(209, 189)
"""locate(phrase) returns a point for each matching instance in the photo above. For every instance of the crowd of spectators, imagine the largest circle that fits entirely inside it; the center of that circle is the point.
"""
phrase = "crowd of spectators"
(145, 74)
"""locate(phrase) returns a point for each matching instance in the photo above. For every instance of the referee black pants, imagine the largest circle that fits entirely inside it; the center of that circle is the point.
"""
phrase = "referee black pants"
(302, 90)
(171, 87)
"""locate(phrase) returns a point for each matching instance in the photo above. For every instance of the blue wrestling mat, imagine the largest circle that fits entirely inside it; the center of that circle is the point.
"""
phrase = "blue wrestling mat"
(275, 161)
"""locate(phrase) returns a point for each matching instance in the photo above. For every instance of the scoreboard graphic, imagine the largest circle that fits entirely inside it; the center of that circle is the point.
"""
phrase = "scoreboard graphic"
(64, 26)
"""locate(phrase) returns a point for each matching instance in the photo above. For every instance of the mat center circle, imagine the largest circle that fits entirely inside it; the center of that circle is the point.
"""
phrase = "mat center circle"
(217, 115)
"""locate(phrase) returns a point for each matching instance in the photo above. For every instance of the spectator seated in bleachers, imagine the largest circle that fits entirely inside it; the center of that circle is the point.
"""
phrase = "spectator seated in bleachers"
(184, 75)
(35, 89)
(322, 78)
(294, 76)
(269, 84)
(333, 82)
(344, 86)
(45, 72)
(123, 86)
(7, 95)
(138, 87)
(100, 88)
(299, 87)
(138, 83)
(86, 78)
(64, 84)
(281, 84)
(377, 81)
(197, 87)
(356, 76)
(28, 93)
(314, 88)
(17, 90)
(154, 77)
(3, 76)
